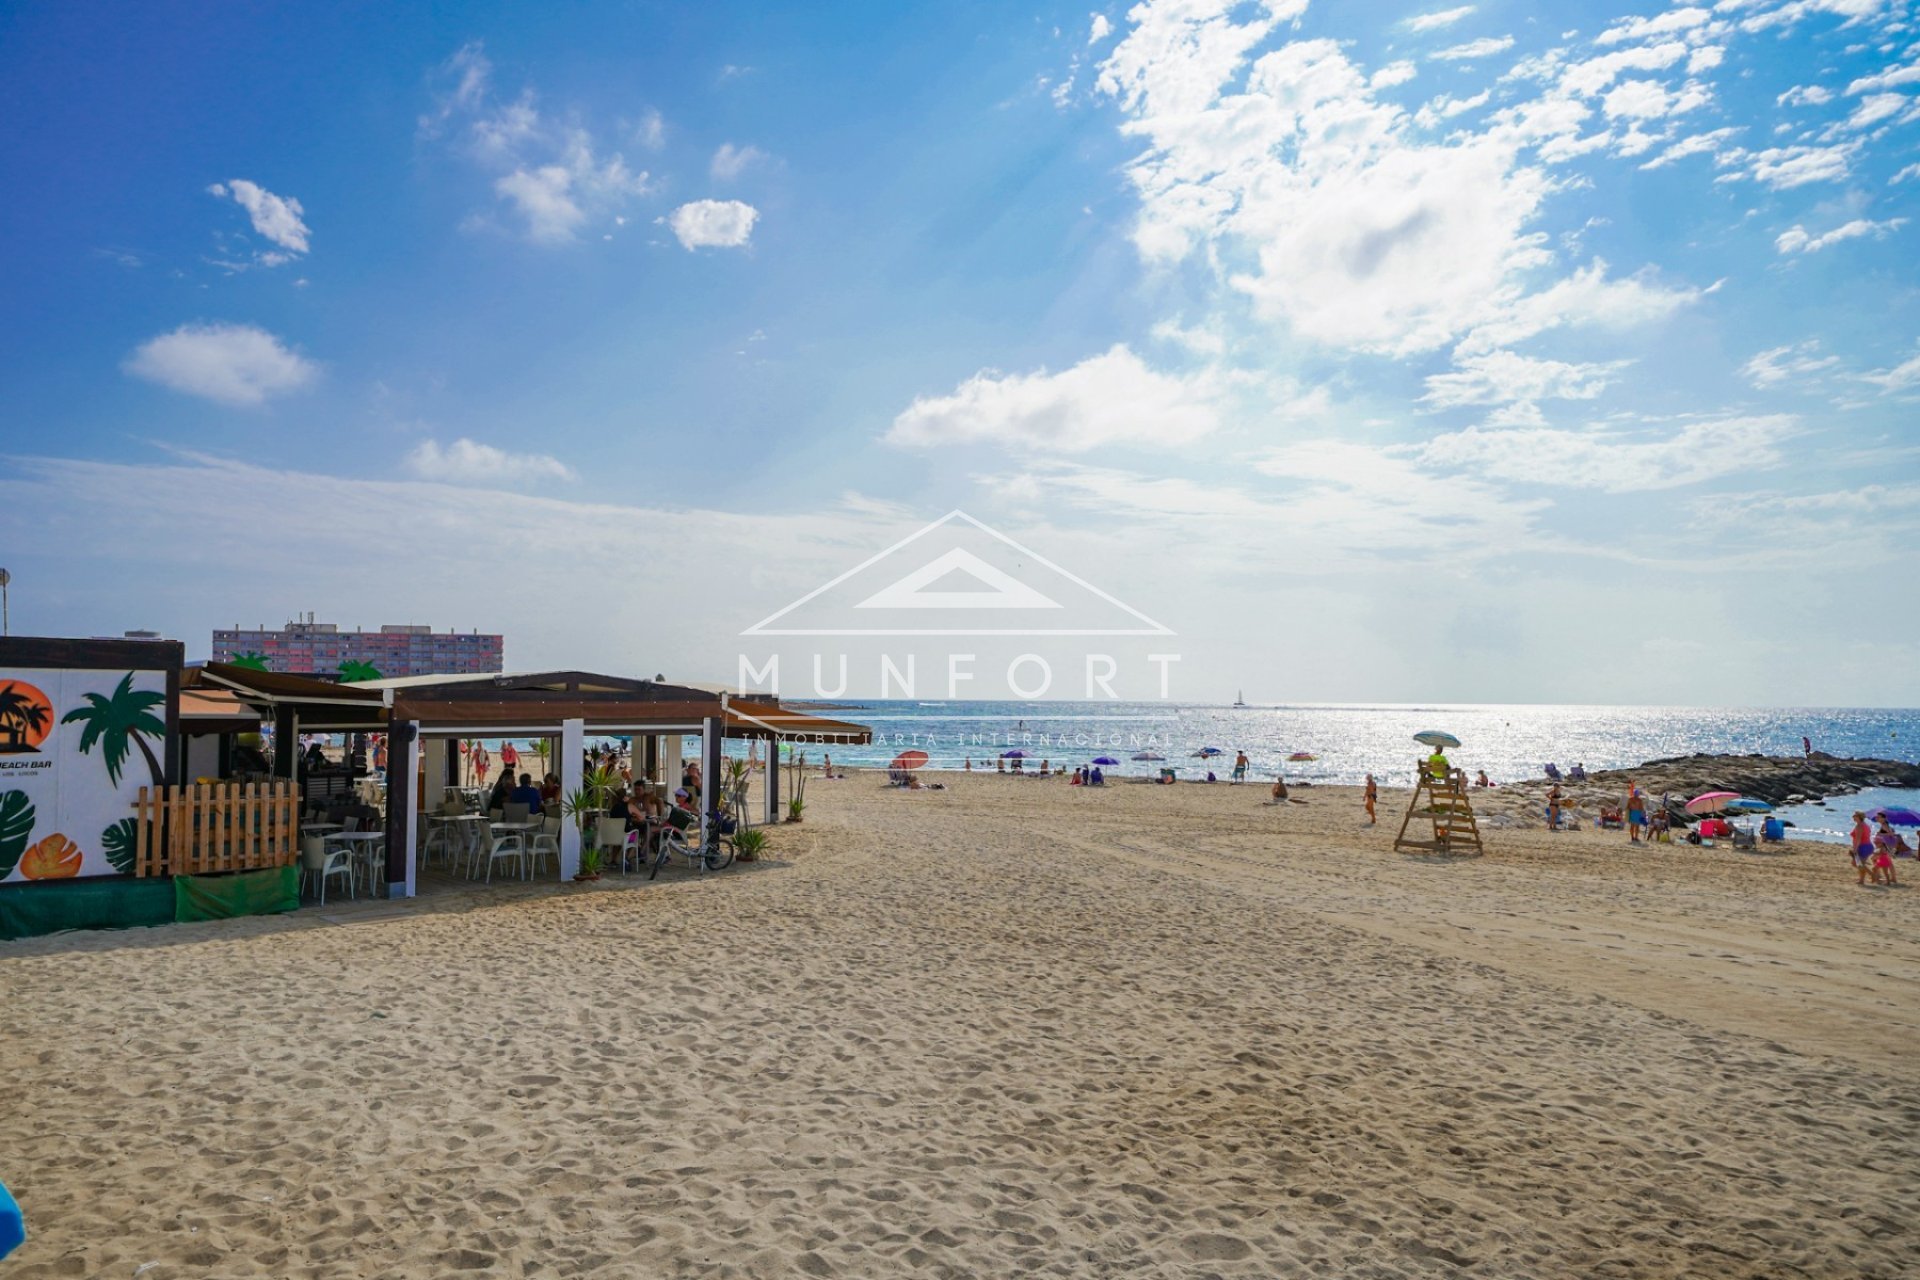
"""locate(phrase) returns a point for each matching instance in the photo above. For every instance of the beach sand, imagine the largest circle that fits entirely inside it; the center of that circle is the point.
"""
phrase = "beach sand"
(1008, 1028)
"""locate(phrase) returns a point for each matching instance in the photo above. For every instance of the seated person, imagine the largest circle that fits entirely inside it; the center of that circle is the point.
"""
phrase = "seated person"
(1610, 816)
(1079, 778)
(549, 790)
(1096, 778)
(1438, 766)
(1279, 789)
(502, 788)
(1481, 780)
(1577, 774)
(526, 793)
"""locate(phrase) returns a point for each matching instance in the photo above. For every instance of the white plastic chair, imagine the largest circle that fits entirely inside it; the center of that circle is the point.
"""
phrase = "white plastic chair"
(545, 841)
(517, 813)
(508, 845)
(317, 863)
(610, 835)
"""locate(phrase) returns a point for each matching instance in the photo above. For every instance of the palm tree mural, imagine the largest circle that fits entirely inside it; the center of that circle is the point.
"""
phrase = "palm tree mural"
(252, 661)
(19, 716)
(119, 722)
(353, 671)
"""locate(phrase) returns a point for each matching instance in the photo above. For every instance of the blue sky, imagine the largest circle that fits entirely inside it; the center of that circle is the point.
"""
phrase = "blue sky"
(1445, 351)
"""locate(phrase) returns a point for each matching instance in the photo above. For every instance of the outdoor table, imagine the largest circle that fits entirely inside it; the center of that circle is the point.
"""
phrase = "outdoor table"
(319, 828)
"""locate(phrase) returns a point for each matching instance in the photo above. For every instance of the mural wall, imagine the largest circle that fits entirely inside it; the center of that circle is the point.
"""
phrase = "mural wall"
(75, 749)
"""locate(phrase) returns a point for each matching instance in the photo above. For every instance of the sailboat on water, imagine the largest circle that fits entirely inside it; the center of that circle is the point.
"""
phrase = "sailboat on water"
(1239, 697)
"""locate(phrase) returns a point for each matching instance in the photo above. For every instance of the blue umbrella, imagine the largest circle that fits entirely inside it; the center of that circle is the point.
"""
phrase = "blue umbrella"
(1207, 752)
(1897, 816)
(1436, 738)
(1013, 755)
(1105, 760)
(1746, 805)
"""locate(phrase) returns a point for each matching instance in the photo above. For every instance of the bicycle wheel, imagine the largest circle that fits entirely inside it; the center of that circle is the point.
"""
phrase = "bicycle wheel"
(671, 842)
(718, 854)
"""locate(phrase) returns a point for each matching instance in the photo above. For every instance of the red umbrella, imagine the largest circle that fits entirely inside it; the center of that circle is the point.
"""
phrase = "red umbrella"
(909, 760)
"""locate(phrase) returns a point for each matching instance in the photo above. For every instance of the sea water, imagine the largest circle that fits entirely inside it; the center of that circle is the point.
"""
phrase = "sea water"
(1510, 742)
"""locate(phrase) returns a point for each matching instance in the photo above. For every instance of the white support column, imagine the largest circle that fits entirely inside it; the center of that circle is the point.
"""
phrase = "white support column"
(409, 765)
(434, 752)
(573, 741)
(670, 763)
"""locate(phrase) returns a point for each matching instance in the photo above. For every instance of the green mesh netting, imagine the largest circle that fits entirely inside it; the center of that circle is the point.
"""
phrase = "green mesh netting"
(110, 902)
(248, 893)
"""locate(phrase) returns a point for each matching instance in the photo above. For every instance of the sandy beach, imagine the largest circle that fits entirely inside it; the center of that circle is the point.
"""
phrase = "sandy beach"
(1007, 1028)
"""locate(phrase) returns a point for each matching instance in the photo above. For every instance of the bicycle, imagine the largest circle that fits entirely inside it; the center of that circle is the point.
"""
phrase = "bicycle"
(716, 854)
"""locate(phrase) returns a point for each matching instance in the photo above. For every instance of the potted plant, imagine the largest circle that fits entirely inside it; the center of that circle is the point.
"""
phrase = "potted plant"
(589, 863)
(585, 806)
(749, 844)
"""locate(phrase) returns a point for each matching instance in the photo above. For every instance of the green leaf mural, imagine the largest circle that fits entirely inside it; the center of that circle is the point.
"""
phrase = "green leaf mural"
(252, 661)
(16, 828)
(353, 671)
(119, 722)
(117, 842)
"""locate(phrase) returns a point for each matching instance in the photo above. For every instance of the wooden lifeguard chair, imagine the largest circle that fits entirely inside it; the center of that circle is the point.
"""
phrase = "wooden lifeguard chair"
(1444, 800)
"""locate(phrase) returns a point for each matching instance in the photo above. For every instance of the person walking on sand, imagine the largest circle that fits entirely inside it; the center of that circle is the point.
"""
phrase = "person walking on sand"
(1884, 844)
(1240, 766)
(1372, 797)
(1636, 812)
(1861, 840)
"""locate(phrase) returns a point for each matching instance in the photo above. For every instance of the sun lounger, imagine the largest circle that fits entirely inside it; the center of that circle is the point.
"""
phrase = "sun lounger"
(1553, 772)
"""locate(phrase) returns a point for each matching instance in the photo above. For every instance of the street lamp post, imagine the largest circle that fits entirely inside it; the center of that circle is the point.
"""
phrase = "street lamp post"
(6, 622)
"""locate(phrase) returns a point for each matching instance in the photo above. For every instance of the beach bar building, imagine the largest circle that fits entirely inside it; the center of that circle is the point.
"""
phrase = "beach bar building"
(103, 746)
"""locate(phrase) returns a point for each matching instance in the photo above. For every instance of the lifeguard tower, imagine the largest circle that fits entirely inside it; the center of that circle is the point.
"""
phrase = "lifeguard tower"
(1443, 799)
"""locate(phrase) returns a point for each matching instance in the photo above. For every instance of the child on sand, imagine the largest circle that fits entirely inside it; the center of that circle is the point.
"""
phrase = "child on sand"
(1373, 796)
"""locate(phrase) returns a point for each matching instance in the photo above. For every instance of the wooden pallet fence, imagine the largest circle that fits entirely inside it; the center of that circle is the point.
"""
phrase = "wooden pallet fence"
(213, 827)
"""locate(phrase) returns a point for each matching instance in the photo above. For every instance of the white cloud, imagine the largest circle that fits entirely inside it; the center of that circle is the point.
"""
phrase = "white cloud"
(278, 218)
(1100, 29)
(1907, 174)
(1787, 14)
(469, 462)
(1800, 361)
(1587, 297)
(1697, 144)
(1589, 77)
(1484, 47)
(1617, 461)
(1898, 378)
(1668, 23)
(1108, 399)
(729, 162)
(551, 175)
(1639, 100)
(719, 224)
(1440, 18)
(651, 131)
(233, 364)
(1783, 168)
(1892, 78)
(1392, 74)
(1876, 107)
(1797, 240)
(1499, 377)
(1804, 95)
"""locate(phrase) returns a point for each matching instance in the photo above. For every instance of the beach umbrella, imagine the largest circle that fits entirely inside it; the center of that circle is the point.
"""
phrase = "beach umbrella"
(909, 760)
(1207, 753)
(1746, 804)
(1897, 816)
(1105, 761)
(1712, 802)
(1147, 755)
(1303, 755)
(1013, 755)
(1436, 738)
